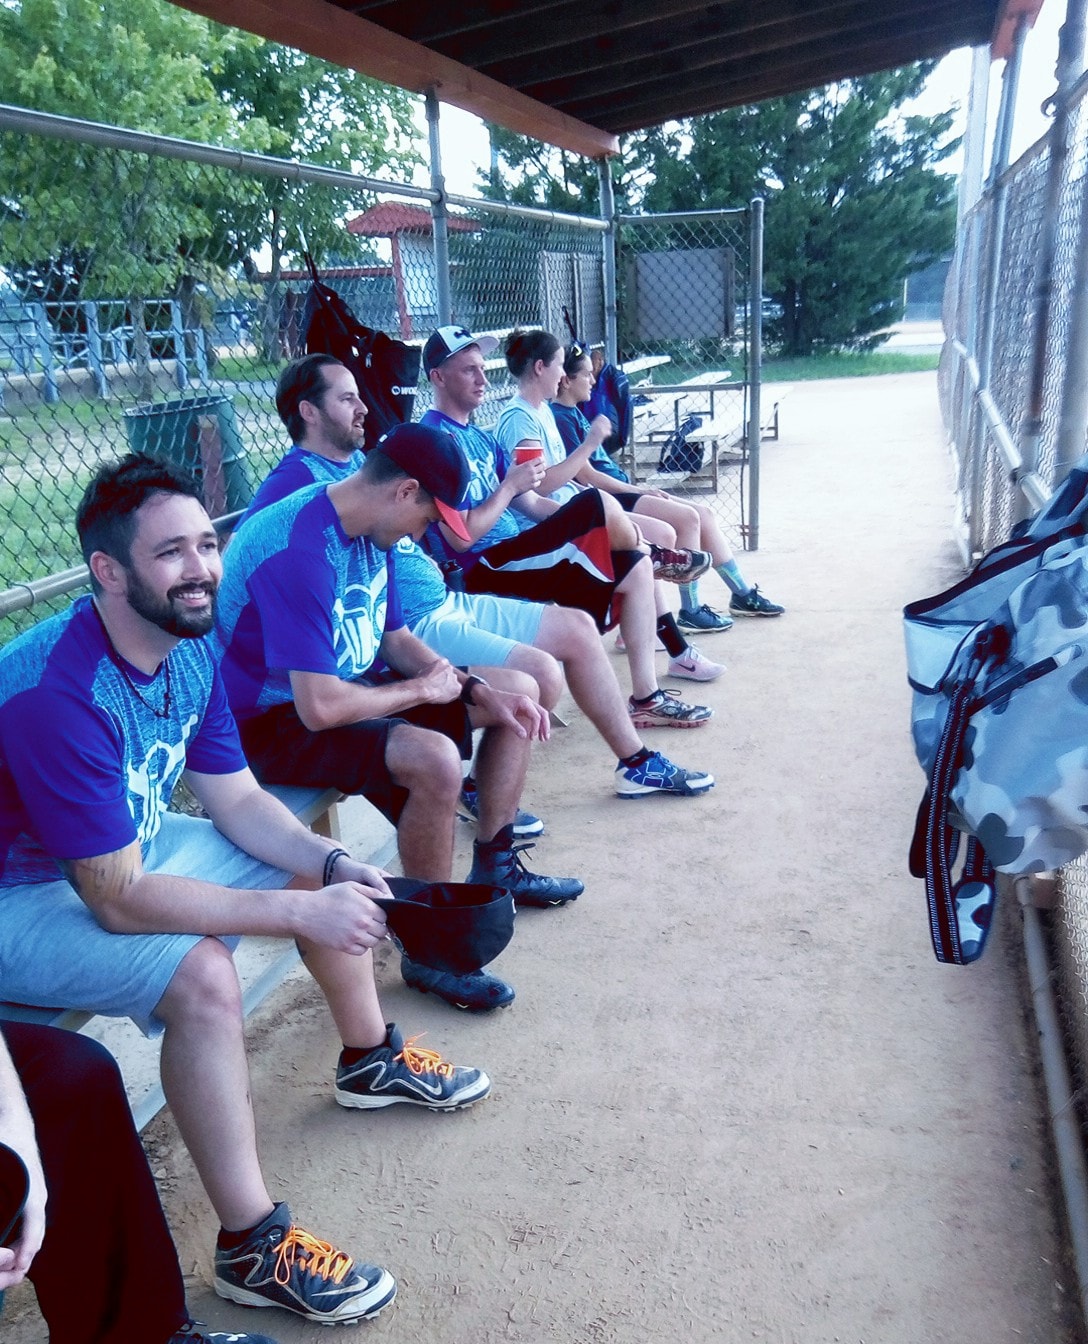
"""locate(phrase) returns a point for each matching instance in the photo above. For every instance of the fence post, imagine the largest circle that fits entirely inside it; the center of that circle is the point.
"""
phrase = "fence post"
(439, 218)
(94, 348)
(200, 353)
(755, 364)
(608, 253)
(177, 333)
(44, 334)
(1073, 418)
(991, 279)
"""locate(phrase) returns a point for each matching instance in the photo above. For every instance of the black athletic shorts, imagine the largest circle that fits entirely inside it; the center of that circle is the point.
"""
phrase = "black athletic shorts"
(565, 559)
(282, 750)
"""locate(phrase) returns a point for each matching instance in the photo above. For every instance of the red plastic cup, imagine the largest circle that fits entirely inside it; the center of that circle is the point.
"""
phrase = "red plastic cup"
(528, 453)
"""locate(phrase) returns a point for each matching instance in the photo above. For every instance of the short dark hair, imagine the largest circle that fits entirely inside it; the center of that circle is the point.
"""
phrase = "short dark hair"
(302, 380)
(106, 517)
(524, 348)
(378, 468)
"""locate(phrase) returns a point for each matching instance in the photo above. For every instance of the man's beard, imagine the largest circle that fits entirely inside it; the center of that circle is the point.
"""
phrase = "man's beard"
(346, 441)
(177, 621)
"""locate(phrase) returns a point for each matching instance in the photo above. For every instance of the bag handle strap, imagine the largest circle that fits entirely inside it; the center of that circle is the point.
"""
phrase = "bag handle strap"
(936, 842)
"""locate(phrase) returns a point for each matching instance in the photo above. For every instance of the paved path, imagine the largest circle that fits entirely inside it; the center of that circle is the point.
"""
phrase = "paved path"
(736, 1100)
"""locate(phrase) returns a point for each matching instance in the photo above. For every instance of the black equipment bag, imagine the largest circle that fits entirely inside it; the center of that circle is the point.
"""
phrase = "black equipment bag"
(386, 370)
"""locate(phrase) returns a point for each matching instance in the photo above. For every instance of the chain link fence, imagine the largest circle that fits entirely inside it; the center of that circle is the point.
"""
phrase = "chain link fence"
(684, 284)
(989, 319)
(151, 290)
(1007, 449)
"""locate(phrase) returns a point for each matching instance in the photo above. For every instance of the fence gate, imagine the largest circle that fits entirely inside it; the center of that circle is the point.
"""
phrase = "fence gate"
(688, 293)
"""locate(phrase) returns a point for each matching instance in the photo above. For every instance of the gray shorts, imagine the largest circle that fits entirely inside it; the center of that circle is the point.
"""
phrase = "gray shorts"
(55, 954)
(476, 629)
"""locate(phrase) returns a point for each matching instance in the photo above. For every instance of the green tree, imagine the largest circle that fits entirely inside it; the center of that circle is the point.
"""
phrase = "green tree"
(854, 199)
(142, 227)
(529, 172)
(304, 108)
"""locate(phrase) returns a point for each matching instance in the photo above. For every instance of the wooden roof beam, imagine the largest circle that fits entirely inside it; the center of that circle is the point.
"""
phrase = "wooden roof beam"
(433, 25)
(721, 90)
(325, 30)
(691, 47)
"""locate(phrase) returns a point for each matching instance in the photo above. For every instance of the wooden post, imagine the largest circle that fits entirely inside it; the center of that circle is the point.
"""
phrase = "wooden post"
(177, 332)
(94, 348)
(211, 465)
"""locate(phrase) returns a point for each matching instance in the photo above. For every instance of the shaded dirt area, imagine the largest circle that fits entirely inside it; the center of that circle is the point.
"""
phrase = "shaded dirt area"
(736, 1098)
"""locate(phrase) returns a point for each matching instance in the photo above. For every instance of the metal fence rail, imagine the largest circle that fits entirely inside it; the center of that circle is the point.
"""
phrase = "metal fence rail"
(1012, 305)
(151, 289)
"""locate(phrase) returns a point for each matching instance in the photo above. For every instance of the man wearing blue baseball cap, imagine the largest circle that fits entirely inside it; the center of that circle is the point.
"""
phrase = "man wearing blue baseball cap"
(331, 690)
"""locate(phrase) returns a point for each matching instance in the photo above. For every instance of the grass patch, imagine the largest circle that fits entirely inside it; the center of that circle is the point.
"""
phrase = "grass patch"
(805, 369)
(866, 365)
(245, 369)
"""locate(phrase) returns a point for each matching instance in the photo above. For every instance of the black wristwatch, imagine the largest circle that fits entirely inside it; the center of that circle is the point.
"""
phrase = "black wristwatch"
(470, 685)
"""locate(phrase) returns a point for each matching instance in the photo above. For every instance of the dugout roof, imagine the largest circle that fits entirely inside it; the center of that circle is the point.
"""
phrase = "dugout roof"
(578, 73)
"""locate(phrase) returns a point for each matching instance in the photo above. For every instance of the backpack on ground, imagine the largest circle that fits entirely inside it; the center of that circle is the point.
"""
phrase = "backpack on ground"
(678, 453)
(999, 669)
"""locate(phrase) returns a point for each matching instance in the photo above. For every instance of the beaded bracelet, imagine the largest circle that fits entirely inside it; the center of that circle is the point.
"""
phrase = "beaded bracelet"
(331, 859)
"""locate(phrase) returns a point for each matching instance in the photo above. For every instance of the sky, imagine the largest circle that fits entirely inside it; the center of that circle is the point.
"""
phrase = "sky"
(465, 146)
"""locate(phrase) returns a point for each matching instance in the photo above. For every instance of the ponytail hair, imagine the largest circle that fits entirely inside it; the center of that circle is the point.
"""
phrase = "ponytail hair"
(524, 348)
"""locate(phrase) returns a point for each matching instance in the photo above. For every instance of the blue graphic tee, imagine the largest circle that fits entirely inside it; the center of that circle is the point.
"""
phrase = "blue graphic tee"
(488, 464)
(299, 595)
(298, 468)
(86, 767)
(419, 582)
(573, 428)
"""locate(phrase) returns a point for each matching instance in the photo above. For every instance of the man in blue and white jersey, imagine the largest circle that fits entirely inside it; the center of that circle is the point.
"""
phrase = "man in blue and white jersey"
(113, 904)
(331, 689)
(543, 640)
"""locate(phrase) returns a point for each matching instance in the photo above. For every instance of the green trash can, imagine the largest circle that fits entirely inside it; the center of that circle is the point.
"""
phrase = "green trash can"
(199, 434)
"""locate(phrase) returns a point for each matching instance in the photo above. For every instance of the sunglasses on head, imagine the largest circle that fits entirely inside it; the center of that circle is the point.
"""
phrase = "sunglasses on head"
(576, 352)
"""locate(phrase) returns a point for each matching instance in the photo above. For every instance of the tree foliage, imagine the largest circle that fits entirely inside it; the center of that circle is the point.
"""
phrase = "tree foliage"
(529, 172)
(854, 199)
(104, 224)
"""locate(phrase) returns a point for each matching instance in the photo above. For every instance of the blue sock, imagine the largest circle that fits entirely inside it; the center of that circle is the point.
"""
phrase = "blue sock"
(732, 578)
(689, 596)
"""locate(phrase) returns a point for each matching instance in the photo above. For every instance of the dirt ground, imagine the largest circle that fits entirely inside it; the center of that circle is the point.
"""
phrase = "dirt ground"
(736, 1098)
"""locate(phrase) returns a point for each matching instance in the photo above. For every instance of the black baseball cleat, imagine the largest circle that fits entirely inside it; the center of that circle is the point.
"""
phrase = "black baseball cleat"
(497, 863)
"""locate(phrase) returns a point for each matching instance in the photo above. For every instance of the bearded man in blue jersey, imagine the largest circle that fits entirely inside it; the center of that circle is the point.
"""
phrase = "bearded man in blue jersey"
(113, 904)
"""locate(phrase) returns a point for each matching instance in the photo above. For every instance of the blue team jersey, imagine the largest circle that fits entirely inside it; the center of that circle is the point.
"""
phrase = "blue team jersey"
(488, 465)
(573, 428)
(86, 767)
(299, 595)
(296, 469)
(419, 583)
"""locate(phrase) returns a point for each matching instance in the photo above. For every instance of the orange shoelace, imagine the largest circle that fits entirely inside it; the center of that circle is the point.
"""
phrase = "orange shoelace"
(424, 1061)
(318, 1257)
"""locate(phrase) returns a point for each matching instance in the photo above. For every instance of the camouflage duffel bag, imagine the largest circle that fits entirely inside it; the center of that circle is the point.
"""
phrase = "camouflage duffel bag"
(999, 669)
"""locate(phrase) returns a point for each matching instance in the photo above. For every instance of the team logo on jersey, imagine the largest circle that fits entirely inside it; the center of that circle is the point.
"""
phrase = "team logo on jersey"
(151, 782)
(359, 623)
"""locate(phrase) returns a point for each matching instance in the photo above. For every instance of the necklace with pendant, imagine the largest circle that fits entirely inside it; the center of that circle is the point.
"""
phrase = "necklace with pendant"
(119, 663)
